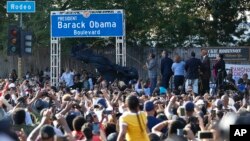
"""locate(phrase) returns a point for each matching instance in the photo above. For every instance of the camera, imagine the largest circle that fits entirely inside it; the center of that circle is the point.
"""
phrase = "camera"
(181, 132)
(96, 128)
(182, 111)
(205, 135)
(122, 86)
(107, 112)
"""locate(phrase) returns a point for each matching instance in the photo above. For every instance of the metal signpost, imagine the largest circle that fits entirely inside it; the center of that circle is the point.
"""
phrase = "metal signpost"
(85, 23)
(21, 7)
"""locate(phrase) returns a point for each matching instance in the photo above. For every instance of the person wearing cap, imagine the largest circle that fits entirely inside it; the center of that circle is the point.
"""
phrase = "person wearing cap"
(189, 108)
(200, 107)
(149, 107)
(12, 88)
(102, 105)
(112, 137)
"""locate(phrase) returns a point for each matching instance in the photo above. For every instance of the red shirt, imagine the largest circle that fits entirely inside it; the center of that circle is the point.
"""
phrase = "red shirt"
(78, 135)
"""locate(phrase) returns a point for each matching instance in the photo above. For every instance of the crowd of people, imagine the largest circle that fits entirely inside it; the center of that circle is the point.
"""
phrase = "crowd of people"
(88, 108)
(195, 72)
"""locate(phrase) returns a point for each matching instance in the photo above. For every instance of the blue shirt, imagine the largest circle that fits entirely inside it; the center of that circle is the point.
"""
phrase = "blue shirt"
(179, 68)
(67, 77)
(152, 121)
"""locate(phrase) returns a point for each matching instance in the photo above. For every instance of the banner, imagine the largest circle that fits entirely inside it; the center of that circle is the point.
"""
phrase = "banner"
(234, 54)
(238, 70)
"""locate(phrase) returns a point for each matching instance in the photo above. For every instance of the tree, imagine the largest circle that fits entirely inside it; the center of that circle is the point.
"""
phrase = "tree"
(226, 16)
(169, 23)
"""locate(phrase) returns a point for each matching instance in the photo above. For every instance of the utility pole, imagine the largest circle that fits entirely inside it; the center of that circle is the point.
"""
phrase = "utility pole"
(19, 62)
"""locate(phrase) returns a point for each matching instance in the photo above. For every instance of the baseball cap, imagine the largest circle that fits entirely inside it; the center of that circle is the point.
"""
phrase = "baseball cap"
(200, 102)
(163, 91)
(189, 106)
(39, 105)
(112, 137)
(148, 106)
(47, 131)
(102, 102)
(12, 85)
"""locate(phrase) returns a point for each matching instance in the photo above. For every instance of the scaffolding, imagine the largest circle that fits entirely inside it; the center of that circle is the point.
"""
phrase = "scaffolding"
(55, 61)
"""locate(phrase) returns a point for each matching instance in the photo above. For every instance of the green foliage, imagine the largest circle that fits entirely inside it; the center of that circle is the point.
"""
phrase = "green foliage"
(169, 23)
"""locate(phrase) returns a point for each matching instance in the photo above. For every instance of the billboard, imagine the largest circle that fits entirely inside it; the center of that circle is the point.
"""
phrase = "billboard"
(238, 70)
(235, 54)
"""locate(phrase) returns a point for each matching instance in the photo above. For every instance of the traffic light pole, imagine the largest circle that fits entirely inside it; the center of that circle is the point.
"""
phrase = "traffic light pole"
(19, 62)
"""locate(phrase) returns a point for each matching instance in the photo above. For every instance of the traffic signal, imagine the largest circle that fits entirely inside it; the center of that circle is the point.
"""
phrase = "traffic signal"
(26, 42)
(13, 40)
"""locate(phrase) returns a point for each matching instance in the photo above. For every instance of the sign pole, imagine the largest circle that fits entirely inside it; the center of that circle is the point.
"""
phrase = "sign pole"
(20, 7)
(19, 62)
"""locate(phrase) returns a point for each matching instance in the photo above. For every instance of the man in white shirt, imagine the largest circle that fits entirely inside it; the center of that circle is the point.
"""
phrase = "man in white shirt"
(226, 106)
(67, 77)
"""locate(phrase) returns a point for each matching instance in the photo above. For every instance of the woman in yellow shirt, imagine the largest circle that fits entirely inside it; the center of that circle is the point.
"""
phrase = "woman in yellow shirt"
(133, 124)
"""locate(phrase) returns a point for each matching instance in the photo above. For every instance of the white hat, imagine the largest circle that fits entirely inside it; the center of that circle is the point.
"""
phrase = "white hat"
(12, 85)
(199, 102)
